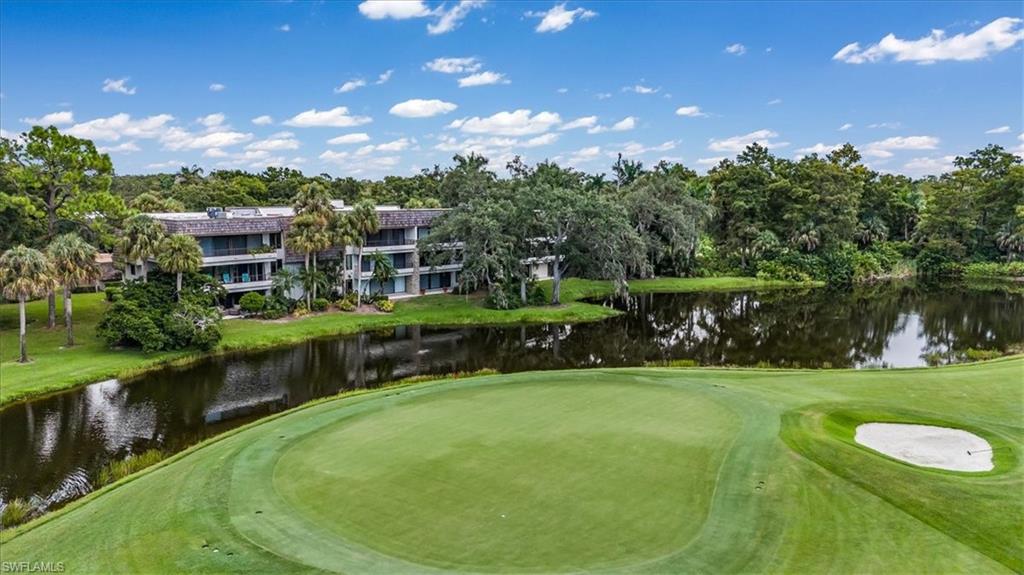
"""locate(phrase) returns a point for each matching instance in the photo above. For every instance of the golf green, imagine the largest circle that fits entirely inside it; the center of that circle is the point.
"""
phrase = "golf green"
(654, 470)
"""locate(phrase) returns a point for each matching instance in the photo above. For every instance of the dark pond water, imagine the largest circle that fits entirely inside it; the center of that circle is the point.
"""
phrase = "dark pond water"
(51, 448)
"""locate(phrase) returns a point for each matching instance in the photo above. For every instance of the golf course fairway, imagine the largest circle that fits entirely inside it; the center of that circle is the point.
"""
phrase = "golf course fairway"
(640, 470)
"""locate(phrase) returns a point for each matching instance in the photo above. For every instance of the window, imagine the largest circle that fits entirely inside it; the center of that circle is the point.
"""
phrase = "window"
(422, 232)
(551, 270)
(435, 281)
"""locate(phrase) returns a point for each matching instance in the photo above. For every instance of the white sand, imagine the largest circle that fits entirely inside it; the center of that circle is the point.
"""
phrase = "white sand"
(927, 445)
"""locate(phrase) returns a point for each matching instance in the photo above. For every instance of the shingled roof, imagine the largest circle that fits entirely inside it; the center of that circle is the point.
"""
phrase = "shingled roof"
(225, 226)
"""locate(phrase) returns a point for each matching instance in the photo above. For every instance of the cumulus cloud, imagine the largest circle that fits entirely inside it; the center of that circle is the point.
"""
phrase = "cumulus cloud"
(118, 86)
(499, 149)
(996, 36)
(466, 65)
(713, 161)
(176, 138)
(338, 117)
(394, 9)
(215, 87)
(999, 130)
(584, 155)
(690, 111)
(774, 102)
(929, 166)
(450, 19)
(520, 122)
(356, 164)
(384, 77)
(583, 122)
(623, 125)
(736, 49)
(482, 79)
(125, 148)
(819, 148)
(884, 148)
(169, 164)
(121, 125)
(641, 89)
(419, 108)
(845, 127)
(350, 86)
(631, 149)
(276, 142)
(285, 28)
(212, 121)
(52, 119)
(354, 138)
(263, 120)
(737, 144)
(558, 18)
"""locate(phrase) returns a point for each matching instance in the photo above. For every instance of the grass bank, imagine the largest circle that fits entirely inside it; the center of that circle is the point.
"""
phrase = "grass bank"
(577, 470)
(56, 368)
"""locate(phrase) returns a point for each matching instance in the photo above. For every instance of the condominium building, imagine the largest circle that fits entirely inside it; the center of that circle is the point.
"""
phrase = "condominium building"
(244, 247)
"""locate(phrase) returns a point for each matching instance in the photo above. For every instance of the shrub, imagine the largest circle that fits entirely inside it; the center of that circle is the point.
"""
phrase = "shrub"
(982, 354)
(385, 305)
(125, 324)
(778, 271)
(994, 270)
(837, 264)
(346, 305)
(15, 512)
(193, 325)
(940, 258)
(116, 470)
(300, 310)
(113, 293)
(320, 304)
(252, 302)
(273, 313)
(866, 266)
(535, 294)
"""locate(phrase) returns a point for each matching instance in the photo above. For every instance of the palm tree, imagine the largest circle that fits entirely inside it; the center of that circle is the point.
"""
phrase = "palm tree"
(141, 240)
(283, 282)
(807, 239)
(179, 254)
(383, 270)
(308, 234)
(25, 273)
(1010, 240)
(314, 200)
(74, 263)
(342, 236)
(364, 222)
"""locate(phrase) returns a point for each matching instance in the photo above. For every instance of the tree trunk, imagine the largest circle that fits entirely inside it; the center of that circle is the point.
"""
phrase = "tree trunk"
(145, 272)
(304, 290)
(314, 276)
(556, 283)
(51, 304)
(522, 290)
(178, 284)
(67, 316)
(359, 278)
(21, 329)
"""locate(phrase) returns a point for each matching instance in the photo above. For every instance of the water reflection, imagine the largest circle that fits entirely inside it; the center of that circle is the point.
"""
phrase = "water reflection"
(52, 447)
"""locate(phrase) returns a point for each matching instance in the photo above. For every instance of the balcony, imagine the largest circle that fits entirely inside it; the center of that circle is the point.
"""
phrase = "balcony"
(389, 242)
(237, 255)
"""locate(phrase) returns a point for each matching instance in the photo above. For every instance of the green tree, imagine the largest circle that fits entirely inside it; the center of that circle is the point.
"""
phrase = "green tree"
(342, 236)
(668, 219)
(59, 172)
(140, 241)
(364, 222)
(308, 234)
(179, 254)
(153, 202)
(283, 282)
(383, 270)
(74, 264)
(25, 273)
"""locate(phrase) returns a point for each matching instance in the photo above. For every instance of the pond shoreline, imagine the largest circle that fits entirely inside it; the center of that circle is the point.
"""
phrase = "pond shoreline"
(243, 336)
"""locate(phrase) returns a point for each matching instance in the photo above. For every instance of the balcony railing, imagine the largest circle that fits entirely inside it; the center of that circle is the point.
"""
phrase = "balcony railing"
(216, 253)
(380, 243)
(242, 278)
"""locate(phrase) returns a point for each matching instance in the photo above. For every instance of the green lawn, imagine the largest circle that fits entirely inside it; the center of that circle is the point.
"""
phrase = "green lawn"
(642, 470)
(55, 368)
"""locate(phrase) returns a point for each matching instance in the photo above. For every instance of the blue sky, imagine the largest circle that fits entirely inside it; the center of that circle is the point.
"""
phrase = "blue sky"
(244, 85)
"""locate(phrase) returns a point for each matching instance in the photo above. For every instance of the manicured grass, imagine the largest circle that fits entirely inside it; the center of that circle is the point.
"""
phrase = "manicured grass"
(642, 469)
(55, 368)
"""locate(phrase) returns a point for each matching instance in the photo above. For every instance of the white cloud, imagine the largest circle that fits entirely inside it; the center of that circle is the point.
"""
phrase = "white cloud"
(212, 120)
(1020, 148)
(583, 122)
(355, 138)
(285, 27)
(736, 49)
(354, 164)
(774, 102)
(558, 18)
(482, 79)
(641, 89)
(350, 86)
(562, 90)
(623, 125)
(690, 111)
(453, 65)
(176, 138)
(384, 77)
(121, 125)
(125, 148)
(419, 108)
(584, 155)
(52, 119)
(603, 95)
(999, 130)
(884, 148)
(542, 140)
(169, 164)
(5, 134)
(337, 117)
(736, 144)
(996, 36)
(818, 148)
(632, 149)
(845, 127)
(395, 145)
(394, 9)
(518, 123)
(276, 142)
(929, 166)
(886, 125)
(714, 161)
(263, 120)
(451, 18)
(215, 87)
(118, 86)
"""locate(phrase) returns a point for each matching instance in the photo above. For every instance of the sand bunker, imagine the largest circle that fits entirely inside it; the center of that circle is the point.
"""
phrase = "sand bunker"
(927, 445)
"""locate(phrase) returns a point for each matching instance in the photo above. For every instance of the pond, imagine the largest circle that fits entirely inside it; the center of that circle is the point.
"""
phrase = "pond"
(53, 447)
